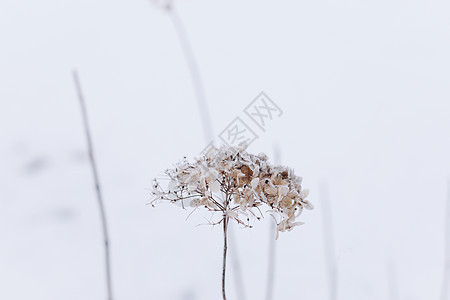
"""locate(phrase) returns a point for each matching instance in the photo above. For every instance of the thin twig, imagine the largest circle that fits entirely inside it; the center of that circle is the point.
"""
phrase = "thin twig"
(272, 247)
(330, 257)
(195, 73)
(446, 276)
(225, 246)
(97, 184)
(392, 280)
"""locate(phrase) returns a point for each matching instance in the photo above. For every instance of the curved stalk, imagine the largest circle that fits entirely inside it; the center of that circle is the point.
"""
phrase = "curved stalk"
(97, 185)
(272, 247)
(195, 73)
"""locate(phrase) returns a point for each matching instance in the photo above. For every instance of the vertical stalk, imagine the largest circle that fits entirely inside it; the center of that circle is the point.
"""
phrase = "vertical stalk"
(195, 73)
(446, 275)
(272, 247)
(97, 185)
(225, 227)
(392, 280)
(330, 257)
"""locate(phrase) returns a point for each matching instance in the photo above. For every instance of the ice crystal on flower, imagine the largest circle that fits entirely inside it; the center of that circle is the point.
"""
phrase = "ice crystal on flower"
(238, 184)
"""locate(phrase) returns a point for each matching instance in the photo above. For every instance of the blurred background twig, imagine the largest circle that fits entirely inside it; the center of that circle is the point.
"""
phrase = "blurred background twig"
(272, 234)
(195, 73)
(98, 189)
(328, 235)
(446, 276)
(392, 280)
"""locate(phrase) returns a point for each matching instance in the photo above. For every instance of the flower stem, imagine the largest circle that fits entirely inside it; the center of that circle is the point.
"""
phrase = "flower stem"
(272, 246)
(225, 227)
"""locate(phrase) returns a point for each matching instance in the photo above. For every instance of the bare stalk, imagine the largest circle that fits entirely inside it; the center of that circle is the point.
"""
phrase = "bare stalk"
(272, 247)
(195, 73)
(446, 276)
(330, 260)
(392, 280)
(96, 183)
(225, 246)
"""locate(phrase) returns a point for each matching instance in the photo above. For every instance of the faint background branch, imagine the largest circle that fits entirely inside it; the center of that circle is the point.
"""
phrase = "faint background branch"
(98, 189)
(272, 234)
(446, 275)
(392, 280)
(195, 73)
(328, 235)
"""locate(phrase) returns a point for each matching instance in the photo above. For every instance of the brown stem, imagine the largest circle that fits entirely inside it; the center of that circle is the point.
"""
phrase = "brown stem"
(225, 227)
(97, 186)
(272, 246)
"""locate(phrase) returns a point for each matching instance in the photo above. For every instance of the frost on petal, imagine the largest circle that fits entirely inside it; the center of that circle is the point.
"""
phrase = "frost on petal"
(243, 204)
(262, 156)
(285, 202)
(231, 214)
(214, 186)
(296, 224)
(304, 194)
(236, 198)
(193, 178)
(293, 194)
(202, 182)
(307, 204)
(255, 169)
(211, 175)
(195, 202)
(172, 185)
(271, 190)
(254, 182)
(283, 190)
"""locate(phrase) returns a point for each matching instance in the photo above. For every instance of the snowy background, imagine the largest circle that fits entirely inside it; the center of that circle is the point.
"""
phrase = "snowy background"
(364, 86)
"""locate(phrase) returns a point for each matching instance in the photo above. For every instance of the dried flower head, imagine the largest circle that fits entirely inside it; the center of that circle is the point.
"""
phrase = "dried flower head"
(237, 184)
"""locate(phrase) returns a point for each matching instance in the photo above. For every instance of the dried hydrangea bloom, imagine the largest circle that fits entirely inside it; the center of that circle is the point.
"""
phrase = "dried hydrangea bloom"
(238, 184)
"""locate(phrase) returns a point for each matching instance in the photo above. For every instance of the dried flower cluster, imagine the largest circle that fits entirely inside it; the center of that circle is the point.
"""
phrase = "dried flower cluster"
(231, 181)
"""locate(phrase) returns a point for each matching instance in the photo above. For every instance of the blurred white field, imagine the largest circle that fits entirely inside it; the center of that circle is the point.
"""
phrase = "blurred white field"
(364, 90)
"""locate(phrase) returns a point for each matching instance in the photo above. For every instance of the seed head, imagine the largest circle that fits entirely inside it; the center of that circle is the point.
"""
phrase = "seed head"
(237, 184)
